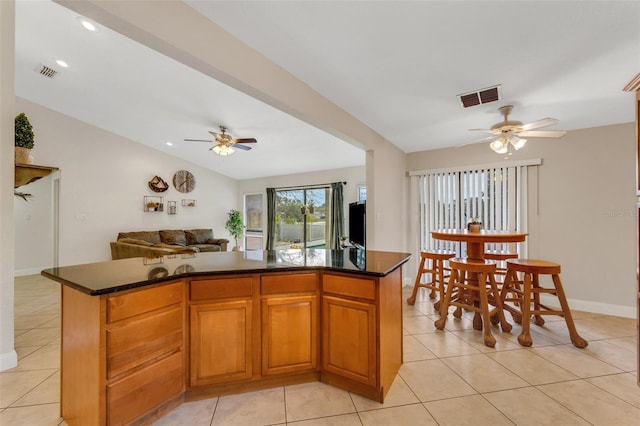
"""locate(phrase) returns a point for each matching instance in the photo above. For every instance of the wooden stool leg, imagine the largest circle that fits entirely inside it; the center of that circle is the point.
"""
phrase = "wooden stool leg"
(509, 286)
(439, 266)
(525, 337)
(577, 341)
(504, 324)
(489, 340)
(434, 278)
(444, 306)
(536, 301)
(412, 299)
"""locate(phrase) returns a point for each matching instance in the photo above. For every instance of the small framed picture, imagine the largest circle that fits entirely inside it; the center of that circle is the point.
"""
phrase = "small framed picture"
(362, 193)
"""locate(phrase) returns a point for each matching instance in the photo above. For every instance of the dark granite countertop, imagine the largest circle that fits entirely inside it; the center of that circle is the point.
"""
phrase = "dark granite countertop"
(118, 275)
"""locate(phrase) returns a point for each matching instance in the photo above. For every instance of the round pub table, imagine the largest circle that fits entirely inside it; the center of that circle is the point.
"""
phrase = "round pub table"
(475, 241)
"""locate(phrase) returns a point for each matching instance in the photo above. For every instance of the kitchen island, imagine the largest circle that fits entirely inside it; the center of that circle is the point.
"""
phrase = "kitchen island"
(141, 336)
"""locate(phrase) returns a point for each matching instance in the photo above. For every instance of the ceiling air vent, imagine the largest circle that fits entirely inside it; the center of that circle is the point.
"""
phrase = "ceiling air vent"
(484, 96)
(47, 71)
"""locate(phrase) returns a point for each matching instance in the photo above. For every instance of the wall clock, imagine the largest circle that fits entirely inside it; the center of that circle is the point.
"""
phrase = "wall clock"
(184, 181)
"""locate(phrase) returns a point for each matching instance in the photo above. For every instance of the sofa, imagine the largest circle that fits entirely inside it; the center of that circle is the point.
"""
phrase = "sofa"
(165, 242)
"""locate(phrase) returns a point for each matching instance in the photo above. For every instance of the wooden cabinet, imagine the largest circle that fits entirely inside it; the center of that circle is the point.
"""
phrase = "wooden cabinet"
(144, 351)
(361, 332)
(289, 334)
(127, 357)
(221, 342)
(222, 333)
(349, 339)
(123, 355)
(289, 323)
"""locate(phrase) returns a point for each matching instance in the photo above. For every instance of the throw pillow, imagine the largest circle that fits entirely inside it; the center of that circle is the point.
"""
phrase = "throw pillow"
(173, 237)
(198, 236)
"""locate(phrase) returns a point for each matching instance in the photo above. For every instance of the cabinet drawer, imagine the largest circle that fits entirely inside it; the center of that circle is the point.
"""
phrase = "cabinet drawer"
(143, 340)
(219, 288)
(141, 301)
(144, 390)
(288, 283)
(349, 286)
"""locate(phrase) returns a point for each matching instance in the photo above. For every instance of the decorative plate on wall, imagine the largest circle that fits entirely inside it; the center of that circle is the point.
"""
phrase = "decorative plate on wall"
(184, 181)
(157, 184)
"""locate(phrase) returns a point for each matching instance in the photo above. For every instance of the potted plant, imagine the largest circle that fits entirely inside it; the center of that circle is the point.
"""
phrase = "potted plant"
(23, 139)
(235, 226)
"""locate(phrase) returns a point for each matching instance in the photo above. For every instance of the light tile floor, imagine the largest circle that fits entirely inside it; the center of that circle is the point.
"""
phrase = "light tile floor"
(449, 377)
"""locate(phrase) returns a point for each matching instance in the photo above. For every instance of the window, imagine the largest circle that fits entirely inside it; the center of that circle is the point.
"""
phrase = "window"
(496, 195)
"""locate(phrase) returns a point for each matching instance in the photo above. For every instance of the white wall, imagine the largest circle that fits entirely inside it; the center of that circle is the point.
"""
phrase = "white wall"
(103, 179)
(34, 227)
(582, 213)
(8, 356)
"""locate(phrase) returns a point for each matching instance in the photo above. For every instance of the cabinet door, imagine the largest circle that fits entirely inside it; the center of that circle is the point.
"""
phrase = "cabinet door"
(349, 339)
(289, 334)
(220, 342)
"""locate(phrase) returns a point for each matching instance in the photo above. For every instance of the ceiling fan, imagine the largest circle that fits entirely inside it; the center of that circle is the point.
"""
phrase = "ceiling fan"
(510, 133)
(225, 142)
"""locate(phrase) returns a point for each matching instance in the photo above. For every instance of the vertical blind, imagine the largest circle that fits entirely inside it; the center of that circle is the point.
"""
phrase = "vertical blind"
(450, 199)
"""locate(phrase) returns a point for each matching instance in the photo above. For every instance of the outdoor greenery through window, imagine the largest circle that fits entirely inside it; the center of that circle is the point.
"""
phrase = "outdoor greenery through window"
(302, 218)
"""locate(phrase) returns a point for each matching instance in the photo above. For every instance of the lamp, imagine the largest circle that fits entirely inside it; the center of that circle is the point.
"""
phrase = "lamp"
(517, 142)
(223, 150)
(501, 145)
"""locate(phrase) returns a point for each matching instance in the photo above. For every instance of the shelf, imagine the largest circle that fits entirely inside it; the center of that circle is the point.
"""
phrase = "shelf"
(153, 204)
(27, 173)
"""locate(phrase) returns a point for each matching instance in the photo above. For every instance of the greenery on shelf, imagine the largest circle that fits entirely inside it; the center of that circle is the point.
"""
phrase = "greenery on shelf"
(24, 131)
(234, 224)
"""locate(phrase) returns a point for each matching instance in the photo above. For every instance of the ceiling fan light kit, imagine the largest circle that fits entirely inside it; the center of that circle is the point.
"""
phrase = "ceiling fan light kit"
(223, 150)
(224, 142)
(508, 133)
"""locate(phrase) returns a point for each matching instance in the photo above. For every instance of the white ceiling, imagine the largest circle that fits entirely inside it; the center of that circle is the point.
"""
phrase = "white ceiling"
(396, 66)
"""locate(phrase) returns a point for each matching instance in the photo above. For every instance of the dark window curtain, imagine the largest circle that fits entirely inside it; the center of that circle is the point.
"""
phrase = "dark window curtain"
(337, 216)
(271, 217)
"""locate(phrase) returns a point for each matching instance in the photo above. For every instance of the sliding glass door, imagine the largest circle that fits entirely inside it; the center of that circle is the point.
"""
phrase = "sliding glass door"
(302, 218)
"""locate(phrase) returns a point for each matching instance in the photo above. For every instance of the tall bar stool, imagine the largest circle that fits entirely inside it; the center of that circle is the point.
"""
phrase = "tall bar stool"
(530, 294)
(500, 256)
(475, 278)
(432, 262)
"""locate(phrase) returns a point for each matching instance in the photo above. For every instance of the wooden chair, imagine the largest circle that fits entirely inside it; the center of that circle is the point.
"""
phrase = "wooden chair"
(432, 262)
(475, 278)
(529, 295)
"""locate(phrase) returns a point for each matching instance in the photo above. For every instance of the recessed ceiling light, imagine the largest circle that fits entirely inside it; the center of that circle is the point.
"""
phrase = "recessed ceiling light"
(62, 63)
(87, 24)
(169, 143)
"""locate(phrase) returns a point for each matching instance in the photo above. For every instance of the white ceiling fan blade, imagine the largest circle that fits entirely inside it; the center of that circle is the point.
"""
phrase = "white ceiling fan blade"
(197, 140)
(494, 131)
(486, 139)
(542, 134)
(540, 123)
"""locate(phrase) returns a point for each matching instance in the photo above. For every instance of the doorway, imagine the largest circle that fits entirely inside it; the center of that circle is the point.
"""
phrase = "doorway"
(302, 217)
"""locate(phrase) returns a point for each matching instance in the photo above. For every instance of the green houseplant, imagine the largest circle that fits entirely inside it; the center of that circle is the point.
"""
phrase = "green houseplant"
(235, 226)
(23, 138)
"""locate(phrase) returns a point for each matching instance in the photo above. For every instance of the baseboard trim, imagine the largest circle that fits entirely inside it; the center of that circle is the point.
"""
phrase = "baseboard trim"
(29, 271)
(594, 307)
(8, 360)
(584, 305)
